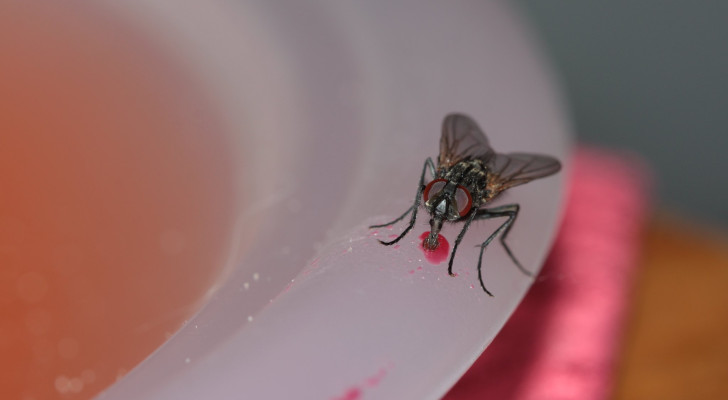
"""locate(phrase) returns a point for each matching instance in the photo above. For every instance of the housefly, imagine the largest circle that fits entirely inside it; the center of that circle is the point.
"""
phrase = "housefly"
(469, 174)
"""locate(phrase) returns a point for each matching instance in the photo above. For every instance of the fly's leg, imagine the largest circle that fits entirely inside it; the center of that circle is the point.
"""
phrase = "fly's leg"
(470, 219)
(401, 217)
(510, 211)
(420, 188)
(509, 225)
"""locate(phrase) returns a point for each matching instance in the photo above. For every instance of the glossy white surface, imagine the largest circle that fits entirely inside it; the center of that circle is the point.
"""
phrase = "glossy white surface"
(338, 103)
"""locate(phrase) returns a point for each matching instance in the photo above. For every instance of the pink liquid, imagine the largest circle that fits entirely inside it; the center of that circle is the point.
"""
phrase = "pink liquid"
(438, 255)
(115, 200)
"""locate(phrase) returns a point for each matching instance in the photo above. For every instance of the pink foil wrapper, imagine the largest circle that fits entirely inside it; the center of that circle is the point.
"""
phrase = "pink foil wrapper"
(563, 340)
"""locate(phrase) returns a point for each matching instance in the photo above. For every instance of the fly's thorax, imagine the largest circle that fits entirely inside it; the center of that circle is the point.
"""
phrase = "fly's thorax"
(471, 174)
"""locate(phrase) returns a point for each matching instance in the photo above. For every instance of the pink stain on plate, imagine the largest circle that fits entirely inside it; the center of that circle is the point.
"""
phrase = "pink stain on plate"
(374, 380)
(440, 253)
(355, 392)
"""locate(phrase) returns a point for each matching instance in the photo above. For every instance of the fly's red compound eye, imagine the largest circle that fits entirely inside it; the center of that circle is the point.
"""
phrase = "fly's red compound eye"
(433, 187)
(464, 200)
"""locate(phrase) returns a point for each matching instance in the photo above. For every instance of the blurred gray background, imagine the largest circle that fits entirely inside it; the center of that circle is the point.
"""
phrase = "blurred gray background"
(650, 76)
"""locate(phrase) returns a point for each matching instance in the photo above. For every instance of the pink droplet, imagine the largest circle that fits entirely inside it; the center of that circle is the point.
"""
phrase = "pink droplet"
(438, 255)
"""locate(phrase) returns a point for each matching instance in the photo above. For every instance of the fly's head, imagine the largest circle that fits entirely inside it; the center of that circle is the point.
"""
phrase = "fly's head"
(444, 201)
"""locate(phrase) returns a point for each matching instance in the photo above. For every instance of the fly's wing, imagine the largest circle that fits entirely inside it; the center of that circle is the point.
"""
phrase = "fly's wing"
(508, 170)
(461, 140)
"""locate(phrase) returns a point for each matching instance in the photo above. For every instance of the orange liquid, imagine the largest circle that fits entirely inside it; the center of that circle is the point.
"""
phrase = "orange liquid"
(115, 200)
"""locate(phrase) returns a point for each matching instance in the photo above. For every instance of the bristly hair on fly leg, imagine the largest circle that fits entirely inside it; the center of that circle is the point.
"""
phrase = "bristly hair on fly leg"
(469, 174)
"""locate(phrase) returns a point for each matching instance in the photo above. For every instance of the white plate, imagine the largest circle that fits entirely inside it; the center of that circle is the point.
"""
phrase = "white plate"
(338, 103)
